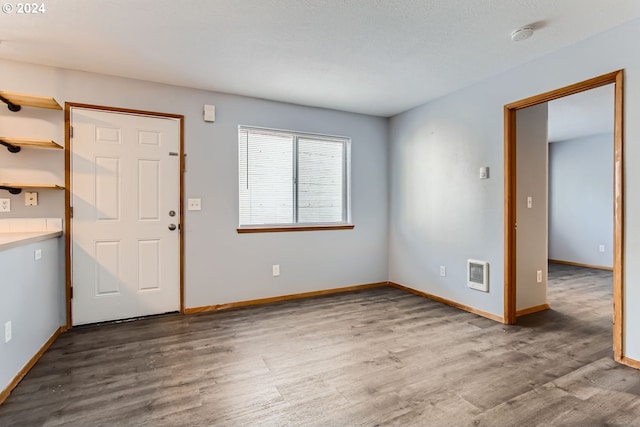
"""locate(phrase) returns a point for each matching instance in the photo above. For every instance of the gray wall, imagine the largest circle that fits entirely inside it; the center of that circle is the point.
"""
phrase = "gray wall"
(221, 265)
(531, 181)
(32, 298)
(581, 200)
(441, 213)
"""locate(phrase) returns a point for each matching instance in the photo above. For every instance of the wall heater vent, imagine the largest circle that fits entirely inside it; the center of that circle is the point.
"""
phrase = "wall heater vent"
(478, 275)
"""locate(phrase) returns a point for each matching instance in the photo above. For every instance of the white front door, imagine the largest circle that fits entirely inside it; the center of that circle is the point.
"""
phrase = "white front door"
(125, 184)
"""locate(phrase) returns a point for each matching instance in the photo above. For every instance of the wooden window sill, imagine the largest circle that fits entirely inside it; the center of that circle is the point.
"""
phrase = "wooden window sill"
(285, 228)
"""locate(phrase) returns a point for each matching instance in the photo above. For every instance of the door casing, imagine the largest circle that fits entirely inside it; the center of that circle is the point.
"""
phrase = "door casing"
(68, 196)
(615, 78)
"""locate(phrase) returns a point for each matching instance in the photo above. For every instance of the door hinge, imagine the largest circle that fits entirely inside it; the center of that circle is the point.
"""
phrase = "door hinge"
(70, 131)
(71, 293)
(71, 211)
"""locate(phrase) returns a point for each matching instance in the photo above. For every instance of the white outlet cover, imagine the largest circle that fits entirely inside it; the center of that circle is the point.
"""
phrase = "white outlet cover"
(275, 269)
(30, 198)
(194, 204)
(5, 205)
(37, 254)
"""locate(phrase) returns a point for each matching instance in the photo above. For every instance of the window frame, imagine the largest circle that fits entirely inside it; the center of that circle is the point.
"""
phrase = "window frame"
(344, 224)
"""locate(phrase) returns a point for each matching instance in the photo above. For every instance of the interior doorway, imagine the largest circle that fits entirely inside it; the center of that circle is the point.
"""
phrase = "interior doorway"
(580, 142)
(511, 197)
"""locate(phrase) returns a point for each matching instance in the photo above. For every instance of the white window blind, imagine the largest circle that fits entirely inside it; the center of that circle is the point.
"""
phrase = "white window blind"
(288, 178)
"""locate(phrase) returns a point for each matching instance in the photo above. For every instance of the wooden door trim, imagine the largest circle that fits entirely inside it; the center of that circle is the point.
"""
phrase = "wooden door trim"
(67, 215)
(615, 78)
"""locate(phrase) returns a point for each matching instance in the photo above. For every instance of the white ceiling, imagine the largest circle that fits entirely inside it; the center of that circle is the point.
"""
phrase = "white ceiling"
(377, 57)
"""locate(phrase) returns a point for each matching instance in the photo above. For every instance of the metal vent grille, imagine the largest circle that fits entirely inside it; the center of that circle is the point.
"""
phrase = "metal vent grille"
(478, 275)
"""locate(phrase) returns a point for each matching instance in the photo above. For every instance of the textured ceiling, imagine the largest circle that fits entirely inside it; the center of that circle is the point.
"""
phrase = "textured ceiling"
(376, 57)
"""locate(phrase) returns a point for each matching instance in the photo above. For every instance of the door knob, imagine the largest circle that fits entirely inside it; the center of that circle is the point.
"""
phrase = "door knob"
(172, 227)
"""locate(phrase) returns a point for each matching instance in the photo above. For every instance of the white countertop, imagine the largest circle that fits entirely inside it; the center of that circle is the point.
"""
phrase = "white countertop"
(14, 239)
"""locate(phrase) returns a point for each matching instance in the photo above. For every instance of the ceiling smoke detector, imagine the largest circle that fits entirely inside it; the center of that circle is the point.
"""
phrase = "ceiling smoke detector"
(521, 34)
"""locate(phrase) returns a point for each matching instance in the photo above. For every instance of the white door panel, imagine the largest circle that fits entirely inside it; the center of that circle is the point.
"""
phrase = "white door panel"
(125, 182)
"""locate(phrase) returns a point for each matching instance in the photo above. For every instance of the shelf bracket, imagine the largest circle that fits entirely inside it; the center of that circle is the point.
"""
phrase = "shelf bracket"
(10, 105)
(12, 190)
(12, 148)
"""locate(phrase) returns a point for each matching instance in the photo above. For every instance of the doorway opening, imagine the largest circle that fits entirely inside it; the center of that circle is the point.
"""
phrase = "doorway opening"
(510, 189)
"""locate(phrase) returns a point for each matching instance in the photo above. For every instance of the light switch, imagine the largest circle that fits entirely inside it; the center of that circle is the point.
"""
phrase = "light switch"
(484, 172)
(529, 202)
(194, 205)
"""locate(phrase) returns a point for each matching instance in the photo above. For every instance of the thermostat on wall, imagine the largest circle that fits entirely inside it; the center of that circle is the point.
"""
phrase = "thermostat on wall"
(209, 113)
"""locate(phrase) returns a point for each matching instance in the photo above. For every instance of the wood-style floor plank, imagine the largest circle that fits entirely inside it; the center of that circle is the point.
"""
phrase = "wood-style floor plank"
(373, 357)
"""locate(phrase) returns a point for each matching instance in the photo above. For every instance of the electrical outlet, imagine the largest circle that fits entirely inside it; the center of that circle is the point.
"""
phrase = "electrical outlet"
(37, 254)
(194, 204)
(539, 276)
(443, 270)
(275, 268)
(7, 331)
(30, 198)
(5, 205)
(601, 248)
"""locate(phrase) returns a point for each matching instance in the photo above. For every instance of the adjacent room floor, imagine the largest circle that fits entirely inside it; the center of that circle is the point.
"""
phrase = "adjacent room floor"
(373, 357)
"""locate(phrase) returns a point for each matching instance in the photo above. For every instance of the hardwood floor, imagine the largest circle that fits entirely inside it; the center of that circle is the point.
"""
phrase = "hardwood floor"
(374, 357)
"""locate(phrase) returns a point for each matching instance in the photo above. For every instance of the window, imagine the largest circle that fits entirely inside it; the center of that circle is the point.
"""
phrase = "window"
(292, 179)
